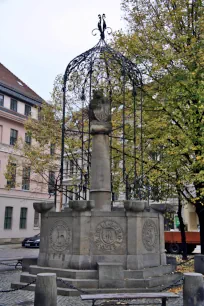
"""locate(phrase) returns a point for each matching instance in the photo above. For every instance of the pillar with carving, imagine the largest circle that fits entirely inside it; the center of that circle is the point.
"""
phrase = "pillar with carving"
(100, 127)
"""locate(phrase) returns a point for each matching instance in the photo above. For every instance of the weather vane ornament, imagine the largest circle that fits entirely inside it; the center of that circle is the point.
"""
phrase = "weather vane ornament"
(102, 27)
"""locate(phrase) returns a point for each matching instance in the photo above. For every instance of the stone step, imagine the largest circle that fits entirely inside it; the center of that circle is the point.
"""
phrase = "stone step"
(67, 273)
(72, 292)
(60, 291)
(79, 283)
(149, 272)
(156, 281)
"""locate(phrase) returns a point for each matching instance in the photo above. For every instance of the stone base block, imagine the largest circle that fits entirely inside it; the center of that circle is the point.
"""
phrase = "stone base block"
(80, 239)
(111, 275)
(26, 262)
(199, 263)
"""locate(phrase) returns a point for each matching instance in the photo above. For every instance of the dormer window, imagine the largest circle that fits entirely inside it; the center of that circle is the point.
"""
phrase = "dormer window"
(13, 105)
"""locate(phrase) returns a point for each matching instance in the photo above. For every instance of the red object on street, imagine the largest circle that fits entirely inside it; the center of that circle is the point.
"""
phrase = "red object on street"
(173, 242)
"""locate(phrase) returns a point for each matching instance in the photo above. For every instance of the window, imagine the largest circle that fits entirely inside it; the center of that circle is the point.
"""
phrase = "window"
(23, 217)
(27, 110)
(13, 137)
(71, 167)
(1, 100)
(8, 217)
(26, 178)
(39, 114)
(13, 105)
(1, 132)
(36, 219)
(67, 167)
(12, 180)
(51, 183)
(28, 139)
(52, 149)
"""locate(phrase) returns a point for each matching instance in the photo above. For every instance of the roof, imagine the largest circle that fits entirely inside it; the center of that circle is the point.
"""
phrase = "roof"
(11, 81)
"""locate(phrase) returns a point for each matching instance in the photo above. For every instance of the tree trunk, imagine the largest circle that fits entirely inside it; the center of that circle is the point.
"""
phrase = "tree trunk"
(182, 229)
(200, 213)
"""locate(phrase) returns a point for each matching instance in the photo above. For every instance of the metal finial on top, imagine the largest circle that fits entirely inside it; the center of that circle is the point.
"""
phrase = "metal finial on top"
(102, 26)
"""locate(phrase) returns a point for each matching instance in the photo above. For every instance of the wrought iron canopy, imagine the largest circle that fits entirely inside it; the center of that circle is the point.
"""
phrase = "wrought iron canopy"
(102, 68)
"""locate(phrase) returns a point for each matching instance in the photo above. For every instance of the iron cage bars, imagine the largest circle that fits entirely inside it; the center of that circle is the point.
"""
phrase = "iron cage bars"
(101, 67)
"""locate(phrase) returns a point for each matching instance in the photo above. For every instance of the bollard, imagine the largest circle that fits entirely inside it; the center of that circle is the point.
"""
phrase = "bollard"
(199, 263)
(46, 290)
(193, 289)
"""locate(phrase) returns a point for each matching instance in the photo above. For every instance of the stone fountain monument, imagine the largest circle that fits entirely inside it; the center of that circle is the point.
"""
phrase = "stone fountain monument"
(95, 248)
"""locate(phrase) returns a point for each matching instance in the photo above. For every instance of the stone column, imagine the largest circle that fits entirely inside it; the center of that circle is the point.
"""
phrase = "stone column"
(43, 208)
(193, 290)
(46, 290)
(100, 127)
(100, 190)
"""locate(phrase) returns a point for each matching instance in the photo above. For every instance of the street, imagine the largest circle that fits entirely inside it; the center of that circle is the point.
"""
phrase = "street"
(14, 251)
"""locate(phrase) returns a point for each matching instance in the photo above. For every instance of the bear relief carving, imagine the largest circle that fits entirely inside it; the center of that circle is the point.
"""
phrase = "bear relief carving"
(60, 236)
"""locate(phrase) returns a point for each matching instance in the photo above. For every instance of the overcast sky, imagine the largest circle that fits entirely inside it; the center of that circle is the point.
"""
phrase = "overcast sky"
(38, 38)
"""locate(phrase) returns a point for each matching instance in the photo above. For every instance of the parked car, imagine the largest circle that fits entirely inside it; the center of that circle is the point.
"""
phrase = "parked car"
(31, 242)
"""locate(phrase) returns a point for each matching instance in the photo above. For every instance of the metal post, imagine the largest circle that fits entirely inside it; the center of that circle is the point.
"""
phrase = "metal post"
(164, 301)
(63, 133)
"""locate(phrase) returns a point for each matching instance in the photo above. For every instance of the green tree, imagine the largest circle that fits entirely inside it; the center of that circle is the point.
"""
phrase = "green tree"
(165, 39)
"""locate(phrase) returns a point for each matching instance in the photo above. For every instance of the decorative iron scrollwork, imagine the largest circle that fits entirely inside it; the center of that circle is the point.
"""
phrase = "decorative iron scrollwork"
(102, 27)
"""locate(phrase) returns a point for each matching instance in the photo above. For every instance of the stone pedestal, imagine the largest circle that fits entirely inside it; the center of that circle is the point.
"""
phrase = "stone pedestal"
(111, 275)
(93, 246)
(79, 240)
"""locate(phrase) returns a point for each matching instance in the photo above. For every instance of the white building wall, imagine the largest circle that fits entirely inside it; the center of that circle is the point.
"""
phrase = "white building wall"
(15, 233)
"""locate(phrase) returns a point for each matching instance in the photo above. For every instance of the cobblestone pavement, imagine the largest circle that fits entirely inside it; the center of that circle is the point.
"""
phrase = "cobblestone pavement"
(26, 298)
(14, 251)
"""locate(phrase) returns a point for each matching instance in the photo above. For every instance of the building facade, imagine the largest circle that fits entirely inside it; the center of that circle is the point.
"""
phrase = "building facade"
(19, 191)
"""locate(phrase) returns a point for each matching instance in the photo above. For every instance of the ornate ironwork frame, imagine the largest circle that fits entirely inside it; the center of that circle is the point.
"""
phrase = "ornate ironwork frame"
(104, 68)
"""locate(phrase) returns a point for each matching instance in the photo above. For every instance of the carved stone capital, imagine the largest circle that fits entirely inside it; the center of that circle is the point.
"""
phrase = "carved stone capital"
(100, 127)
(43, 207)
